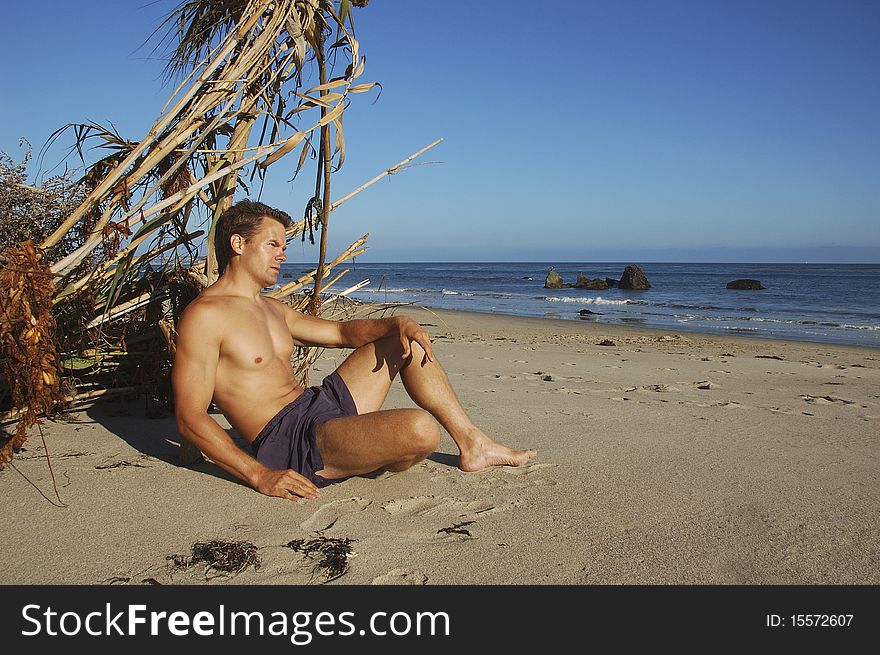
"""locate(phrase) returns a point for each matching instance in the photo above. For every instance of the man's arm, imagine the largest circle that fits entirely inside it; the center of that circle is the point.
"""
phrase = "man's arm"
(313, 331)
(192, 377)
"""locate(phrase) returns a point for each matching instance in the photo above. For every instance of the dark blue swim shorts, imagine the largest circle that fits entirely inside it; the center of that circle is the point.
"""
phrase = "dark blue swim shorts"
(288, 440)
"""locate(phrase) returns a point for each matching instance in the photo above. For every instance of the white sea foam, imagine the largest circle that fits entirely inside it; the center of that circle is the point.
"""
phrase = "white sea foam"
(587, 301)
(468, 294)
(779, 321)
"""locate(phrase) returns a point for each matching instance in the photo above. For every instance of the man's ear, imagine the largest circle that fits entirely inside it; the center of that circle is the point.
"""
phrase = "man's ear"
(237, 242)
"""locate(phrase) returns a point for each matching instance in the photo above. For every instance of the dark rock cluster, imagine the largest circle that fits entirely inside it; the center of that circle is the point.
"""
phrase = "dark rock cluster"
(746, 284)
(633, 278)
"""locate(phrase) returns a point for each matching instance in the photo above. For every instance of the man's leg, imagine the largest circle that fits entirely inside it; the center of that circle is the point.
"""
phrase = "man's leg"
(368, 373)
(393, 439)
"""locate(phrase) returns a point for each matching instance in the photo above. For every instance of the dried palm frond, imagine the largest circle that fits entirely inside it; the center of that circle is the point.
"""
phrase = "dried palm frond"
(28, 357)
(118, 265)
(113, 284)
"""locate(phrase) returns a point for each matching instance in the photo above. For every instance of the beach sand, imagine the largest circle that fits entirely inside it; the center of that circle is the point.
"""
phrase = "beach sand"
(665, 458)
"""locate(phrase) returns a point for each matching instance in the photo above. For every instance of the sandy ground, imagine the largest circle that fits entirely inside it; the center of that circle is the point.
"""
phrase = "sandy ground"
(663, 458)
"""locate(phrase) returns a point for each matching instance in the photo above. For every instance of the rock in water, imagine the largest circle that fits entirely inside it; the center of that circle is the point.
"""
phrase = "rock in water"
(583, 282)
(748, 285)
(553, 280)
(633, 278)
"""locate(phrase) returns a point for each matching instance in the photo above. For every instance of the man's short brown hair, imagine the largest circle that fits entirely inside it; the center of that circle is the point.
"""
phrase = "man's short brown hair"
(243, 218)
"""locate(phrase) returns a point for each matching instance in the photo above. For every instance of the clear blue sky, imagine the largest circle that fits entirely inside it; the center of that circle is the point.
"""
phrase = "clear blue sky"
(574, 131)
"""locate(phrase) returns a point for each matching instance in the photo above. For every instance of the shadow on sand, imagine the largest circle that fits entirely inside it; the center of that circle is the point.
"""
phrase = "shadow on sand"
(153, 432)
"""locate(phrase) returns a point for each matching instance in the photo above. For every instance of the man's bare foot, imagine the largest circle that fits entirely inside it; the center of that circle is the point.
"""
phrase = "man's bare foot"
(487, 453)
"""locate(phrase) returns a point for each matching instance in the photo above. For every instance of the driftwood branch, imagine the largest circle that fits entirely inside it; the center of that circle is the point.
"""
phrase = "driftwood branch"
(389, 171)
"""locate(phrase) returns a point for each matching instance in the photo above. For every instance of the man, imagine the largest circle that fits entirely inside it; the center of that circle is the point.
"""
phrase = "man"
(234, 347)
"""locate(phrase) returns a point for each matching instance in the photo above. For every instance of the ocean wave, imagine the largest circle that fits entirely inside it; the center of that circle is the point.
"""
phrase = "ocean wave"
(672, 305)
(742, 329)
(585, 301)
(846, 326)
(443, 292)
(776, 321)
(471, 294)
(830, 324)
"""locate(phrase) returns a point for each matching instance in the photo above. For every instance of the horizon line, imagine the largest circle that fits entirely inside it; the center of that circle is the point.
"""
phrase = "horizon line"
(610, 261)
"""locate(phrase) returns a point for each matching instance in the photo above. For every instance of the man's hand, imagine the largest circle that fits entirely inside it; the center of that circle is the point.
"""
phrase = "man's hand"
(411, 331)
(286, 484)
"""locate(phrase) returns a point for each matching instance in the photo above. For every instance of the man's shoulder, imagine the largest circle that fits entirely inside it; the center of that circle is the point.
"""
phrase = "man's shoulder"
(274, 302)
(281, 308)
(218, 309)
(206, 312)
(206, 303)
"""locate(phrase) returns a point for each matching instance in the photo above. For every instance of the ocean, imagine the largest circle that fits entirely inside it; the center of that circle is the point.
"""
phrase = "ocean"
(830, 303)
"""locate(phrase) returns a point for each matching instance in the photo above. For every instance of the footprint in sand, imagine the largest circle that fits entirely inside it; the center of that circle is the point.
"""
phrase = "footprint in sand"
(401, 577)
(326, 516)
(434, 518)
(528, 471)
(656, 388)
(492, 477)
(433, 506)
(826, 400)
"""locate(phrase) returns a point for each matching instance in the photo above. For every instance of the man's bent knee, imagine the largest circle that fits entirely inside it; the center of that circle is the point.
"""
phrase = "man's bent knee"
(393, 349)
(424, 431)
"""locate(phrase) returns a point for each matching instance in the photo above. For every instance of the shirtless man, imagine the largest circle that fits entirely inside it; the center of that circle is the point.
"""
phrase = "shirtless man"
(234, 347)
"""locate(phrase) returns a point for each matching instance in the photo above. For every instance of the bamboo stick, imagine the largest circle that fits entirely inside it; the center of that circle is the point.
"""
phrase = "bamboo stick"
(325, 156)
(389, 171)
(351, 289)
(124, 308)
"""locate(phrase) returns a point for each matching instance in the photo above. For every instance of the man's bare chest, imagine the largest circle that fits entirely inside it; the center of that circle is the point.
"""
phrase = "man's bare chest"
(253, 340)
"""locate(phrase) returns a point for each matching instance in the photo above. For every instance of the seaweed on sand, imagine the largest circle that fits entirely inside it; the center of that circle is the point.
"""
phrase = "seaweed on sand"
(334, 554)
(230, 557)
(458, 528)
(120, 464)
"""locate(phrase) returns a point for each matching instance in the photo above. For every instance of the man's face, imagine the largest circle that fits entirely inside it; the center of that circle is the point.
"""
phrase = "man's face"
(263, 253)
